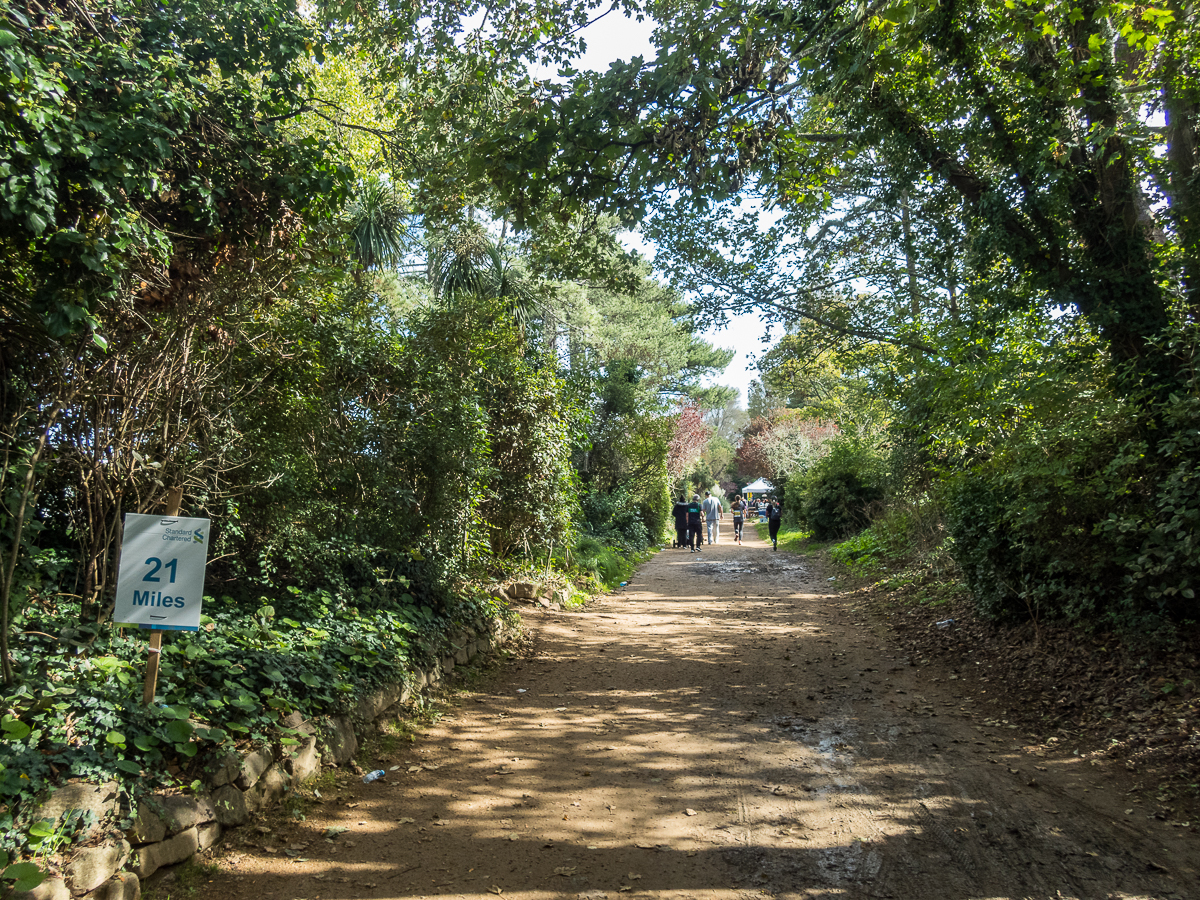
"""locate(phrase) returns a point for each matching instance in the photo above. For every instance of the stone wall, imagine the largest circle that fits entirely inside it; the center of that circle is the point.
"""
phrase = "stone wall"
(170, 829)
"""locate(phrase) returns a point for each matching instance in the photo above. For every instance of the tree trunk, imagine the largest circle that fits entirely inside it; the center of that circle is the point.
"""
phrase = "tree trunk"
(1183, 187)
(26, 498)
(910, 261)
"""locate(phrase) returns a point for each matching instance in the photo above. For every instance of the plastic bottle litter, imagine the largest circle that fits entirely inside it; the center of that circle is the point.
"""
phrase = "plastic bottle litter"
(945, 623)
(623, 583)
(372, 776)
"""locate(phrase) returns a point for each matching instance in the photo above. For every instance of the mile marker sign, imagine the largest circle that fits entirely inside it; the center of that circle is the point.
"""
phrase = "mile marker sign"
(160, 584)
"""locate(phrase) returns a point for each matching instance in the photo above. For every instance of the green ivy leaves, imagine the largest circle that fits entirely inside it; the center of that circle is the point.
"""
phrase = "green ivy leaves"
(14, 729)
(21, 876)
(105, 162)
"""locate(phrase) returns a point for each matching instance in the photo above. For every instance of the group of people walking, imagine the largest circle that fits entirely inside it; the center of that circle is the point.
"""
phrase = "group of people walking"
(700, 520)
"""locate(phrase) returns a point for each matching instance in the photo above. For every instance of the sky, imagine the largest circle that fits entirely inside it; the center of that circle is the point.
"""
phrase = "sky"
(616, 37)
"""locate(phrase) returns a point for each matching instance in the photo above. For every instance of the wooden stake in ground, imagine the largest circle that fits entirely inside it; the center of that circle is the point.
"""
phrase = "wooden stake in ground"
(174, 499)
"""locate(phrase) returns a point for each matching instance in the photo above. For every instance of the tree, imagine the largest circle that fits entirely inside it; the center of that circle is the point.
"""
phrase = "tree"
(156, 199)
(727, 420)
(880, 262)
(716, 459)
(1022, 113)
(762, 401)
(689, 434)
(784, 446)
(832, 376)
(139, 145)
(467, 261)
(653, 361)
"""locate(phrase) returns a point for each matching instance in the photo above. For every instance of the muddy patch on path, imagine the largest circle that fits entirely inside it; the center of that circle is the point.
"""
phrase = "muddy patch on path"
(787, 570)
(726, 726)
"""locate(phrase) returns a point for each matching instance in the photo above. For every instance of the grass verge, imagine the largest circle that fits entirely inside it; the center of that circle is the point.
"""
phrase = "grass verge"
(793, 540)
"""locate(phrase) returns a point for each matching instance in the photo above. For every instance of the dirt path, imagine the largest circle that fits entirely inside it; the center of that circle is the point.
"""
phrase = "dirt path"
(727, 726)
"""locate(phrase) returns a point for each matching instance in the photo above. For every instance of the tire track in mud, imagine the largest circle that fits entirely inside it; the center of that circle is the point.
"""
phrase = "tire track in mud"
(730, 726)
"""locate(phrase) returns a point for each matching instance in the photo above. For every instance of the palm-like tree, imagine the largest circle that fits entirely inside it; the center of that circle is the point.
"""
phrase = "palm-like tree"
(470, 262)
(376, 225)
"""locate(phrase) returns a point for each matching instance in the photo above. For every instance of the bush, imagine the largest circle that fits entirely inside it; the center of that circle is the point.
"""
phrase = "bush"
(655, 505)
(602, 562)
(616, 519)
(841, 491)
(79, 714)
(909, 543)
(605, 566)
(862, 551)
(1086, 520)
(838, 504)
(1023, 537)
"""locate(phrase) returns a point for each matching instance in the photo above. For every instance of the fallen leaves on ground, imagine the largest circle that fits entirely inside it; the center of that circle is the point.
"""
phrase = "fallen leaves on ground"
(1106, 695)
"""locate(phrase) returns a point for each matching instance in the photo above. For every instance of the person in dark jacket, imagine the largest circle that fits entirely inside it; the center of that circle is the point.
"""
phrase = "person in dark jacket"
(695, 514)
(774, 517)
(681, 523)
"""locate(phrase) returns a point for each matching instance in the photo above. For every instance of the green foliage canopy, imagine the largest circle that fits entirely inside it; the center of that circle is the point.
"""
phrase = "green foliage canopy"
(1027, 115)
(129, 127)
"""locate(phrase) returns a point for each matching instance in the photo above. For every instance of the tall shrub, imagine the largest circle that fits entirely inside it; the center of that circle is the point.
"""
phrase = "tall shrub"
(842, 489)
(425, 437)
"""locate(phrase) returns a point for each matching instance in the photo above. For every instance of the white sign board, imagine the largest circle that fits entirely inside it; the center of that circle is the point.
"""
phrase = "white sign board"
(161, 580)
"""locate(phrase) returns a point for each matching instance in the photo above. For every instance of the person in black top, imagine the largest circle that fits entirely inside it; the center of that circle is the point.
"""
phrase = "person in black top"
(694, 516)
(774, 517)
(681, 522)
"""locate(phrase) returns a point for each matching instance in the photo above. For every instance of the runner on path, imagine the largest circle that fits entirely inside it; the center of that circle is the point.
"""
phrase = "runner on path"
(738, 507)
(774, 519)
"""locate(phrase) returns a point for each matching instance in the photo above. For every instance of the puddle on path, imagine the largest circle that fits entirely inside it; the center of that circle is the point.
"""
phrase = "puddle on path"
(831, 743)
(728, 570)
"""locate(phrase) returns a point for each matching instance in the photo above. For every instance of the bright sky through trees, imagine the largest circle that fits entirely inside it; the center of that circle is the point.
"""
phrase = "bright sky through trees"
(614, 37)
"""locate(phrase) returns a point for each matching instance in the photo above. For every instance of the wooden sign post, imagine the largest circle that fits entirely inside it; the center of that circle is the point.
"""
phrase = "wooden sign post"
(160, 583)
(174, 499)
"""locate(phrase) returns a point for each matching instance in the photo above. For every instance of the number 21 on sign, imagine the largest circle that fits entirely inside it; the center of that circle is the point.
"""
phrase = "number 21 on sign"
(155, 563)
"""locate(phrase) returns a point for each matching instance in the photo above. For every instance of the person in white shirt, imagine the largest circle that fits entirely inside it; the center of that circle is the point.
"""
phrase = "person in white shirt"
(712, 514)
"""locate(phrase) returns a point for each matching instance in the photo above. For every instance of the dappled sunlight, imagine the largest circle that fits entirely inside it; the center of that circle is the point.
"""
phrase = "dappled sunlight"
(716, 742)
